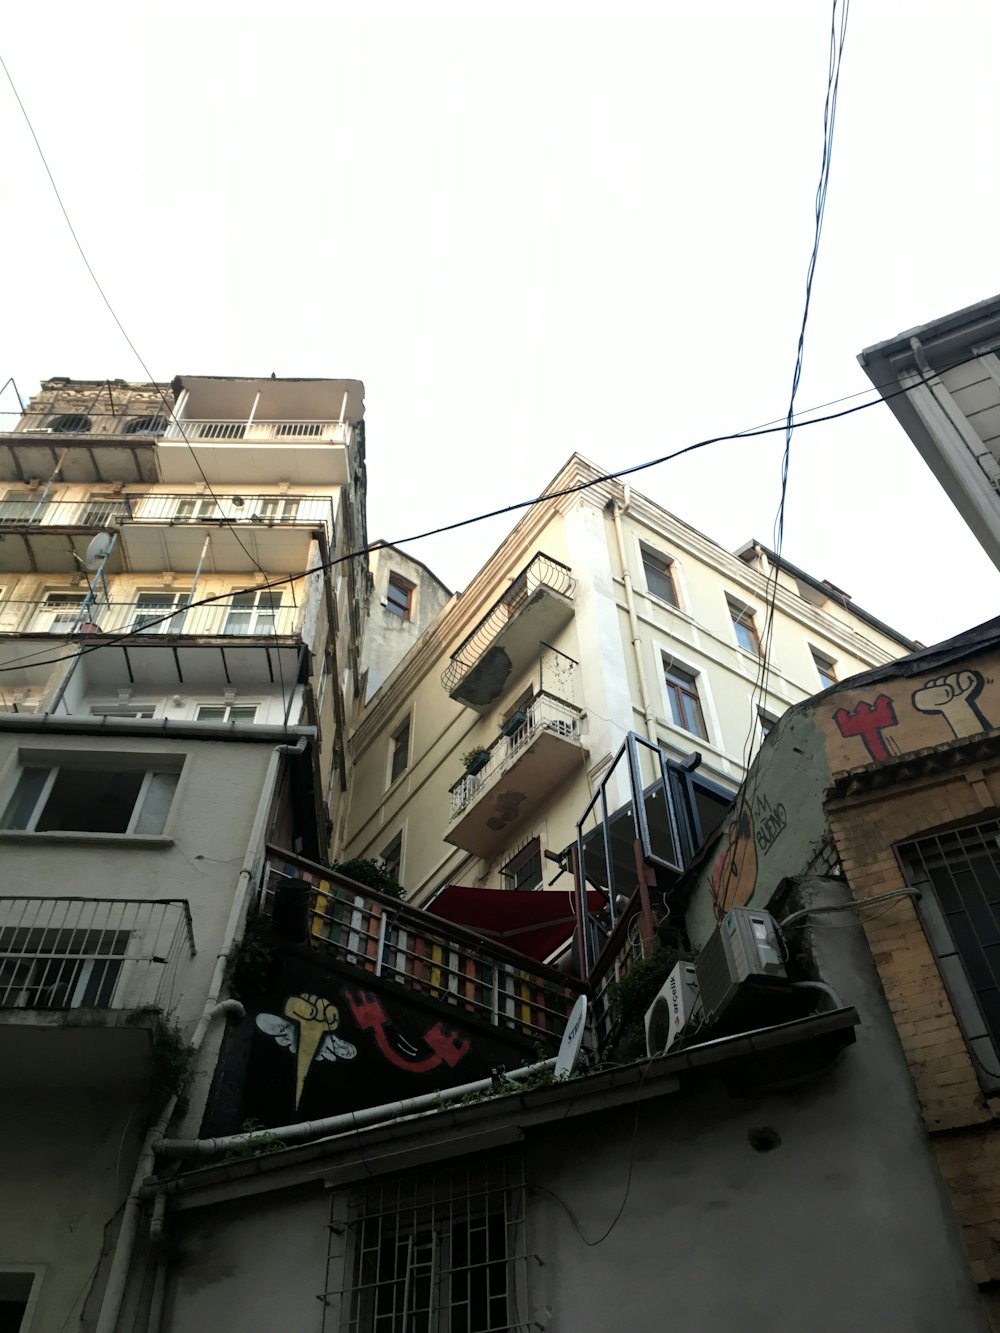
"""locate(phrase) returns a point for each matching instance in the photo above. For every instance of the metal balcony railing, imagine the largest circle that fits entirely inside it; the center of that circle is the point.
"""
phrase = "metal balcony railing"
(221, 429)
(544, 713)
(542, 572)
(245, 614)
(383, 937)
(145, 427)
(223, 510)
(93, 953)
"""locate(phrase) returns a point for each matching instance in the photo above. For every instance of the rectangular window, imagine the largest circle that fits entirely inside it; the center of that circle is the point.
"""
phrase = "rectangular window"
(399, 596)
(766, 722)
(274, 509)
(60, 968)
(253, 613)
(744, 627)
(685, 705)
(83, 796)
(392, 857)
(400, 755)
(22, 507)
(195, 510)
(99, 511)
(121, 710)
(227, 712)
(659, 576)
(826, 668)
(441, 1253)
(15, 1298)
(959, 907)
(150, 608)
(60, 612)
(524, 869)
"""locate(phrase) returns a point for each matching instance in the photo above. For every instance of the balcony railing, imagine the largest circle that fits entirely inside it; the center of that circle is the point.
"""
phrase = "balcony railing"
(386, 938)
(245, 615)
(93, 953)
(223, 510)
(221, 429)
(540, 575)
(145, 427)
(545, 713)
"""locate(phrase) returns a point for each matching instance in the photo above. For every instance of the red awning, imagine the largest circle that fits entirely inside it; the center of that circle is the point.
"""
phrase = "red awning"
(534, 923)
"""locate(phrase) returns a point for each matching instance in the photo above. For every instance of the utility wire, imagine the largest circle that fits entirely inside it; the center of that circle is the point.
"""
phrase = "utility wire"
(544, 498)
(138, 356)
(839, 12)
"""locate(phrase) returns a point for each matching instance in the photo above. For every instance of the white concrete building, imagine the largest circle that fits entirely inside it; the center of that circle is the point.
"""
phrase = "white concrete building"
(942, 383)
(178, 660)
(600, 615)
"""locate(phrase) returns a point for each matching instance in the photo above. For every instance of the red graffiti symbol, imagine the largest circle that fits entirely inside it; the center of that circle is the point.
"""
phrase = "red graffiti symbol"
(447, 1045)
(868, 721)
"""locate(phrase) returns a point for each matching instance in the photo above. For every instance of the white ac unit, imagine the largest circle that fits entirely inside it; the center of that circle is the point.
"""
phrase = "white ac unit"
(668, 1015)
(744, 953)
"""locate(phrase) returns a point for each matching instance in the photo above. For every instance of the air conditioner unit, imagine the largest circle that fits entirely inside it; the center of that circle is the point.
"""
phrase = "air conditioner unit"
(744, 955)
(668, 1015)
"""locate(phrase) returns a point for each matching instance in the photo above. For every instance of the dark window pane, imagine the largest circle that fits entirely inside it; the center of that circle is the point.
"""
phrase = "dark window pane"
(91, 800)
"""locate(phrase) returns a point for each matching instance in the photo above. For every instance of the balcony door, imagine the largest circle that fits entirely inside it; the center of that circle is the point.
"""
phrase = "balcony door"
(253, 613)
(149, 608)
(59, 612)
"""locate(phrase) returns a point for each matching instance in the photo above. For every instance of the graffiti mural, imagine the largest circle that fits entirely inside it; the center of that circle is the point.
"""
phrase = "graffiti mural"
(869, 721)
(308, 1030)
(954, 697)
(443, 1044)
(734, 872)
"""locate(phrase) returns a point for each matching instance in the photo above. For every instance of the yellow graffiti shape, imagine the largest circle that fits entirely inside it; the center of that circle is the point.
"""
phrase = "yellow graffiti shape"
(316, 1017)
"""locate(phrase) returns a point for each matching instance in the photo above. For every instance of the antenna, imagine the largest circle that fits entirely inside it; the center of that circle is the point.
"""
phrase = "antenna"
(572, 1042)
(98, 550)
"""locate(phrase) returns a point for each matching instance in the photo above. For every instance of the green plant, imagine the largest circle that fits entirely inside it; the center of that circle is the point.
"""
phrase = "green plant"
(260, 1147)
(250, 963)
(372, 873)
(472, 755)
(505, 1087)
(173, 1061)
(632, 996)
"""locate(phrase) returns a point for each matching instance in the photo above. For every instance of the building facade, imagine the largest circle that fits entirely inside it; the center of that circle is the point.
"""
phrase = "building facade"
(599, 616)
(406, 597)
(897, 773)
(942, 383)
(180, 640)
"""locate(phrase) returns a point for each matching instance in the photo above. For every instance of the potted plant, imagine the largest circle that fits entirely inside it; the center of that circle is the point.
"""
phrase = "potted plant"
(476, 759)
(514, 723)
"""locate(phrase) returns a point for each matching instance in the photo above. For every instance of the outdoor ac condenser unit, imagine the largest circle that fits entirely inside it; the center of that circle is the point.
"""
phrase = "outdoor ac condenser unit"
(669, 1013)
(744, 952)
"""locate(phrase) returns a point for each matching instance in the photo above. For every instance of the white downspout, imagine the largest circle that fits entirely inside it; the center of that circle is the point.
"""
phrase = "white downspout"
(633, 620)
(121, 1263)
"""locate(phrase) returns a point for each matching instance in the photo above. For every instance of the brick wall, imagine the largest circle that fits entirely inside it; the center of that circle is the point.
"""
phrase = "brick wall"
(964, 1124)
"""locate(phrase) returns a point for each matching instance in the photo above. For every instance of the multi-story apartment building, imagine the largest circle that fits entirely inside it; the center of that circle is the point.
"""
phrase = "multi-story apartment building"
(180, 642)
(600, 615)
(941, 381)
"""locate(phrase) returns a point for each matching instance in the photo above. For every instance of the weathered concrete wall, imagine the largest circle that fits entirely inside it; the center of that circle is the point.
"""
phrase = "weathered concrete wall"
(388, 637)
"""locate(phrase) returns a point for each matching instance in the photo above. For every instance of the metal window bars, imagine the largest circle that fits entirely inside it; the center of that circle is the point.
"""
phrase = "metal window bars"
(20, 508)
(430, 1253)
(145, 421)
(93, 953)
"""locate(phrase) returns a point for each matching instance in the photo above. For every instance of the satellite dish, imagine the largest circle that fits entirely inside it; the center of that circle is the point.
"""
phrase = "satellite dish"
(98, 549)
(572, 1042)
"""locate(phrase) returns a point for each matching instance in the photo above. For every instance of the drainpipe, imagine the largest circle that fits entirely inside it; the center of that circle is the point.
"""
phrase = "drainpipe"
(215, 1007)
(633, 620)
(334, 1124)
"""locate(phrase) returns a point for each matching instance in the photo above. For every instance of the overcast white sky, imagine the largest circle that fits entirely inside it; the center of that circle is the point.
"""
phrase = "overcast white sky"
(529, 229)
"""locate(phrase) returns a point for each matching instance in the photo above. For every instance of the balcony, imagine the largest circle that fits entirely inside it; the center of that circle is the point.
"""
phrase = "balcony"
(449, 964)
(102, 447)
(242, 639)
(160, 531)
(523, 771)
(536, 606)
(304, 453)
(76, 975)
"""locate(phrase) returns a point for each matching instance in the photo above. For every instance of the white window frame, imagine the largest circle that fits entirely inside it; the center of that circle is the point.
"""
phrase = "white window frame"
(270, 608)
(37, 1272)
(47, 608)
(54, 768)
(171, 626)
(745, 615)
(672, 566)
(228, 710)
(204, 509)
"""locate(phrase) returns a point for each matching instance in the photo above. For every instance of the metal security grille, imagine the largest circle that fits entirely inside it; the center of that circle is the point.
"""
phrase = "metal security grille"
(441, 1253)
(962, 920)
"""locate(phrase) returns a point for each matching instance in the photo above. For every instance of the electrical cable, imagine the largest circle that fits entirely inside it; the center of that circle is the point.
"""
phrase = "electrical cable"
(544, 498)
(838, 34)
(135, 351)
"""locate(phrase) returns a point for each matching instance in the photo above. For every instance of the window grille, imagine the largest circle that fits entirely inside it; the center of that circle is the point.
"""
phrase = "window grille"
(431, 1253)
(959, 873)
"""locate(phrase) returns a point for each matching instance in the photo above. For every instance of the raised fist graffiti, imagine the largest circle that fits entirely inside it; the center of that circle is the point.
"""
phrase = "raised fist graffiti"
(954, 697)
